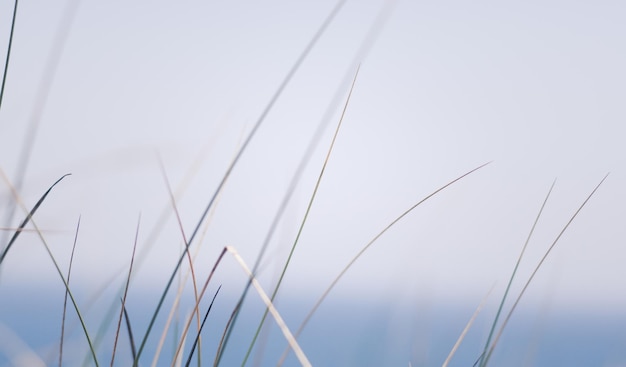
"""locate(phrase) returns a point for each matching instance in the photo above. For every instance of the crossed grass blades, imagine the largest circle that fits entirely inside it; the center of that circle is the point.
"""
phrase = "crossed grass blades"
(195, 348)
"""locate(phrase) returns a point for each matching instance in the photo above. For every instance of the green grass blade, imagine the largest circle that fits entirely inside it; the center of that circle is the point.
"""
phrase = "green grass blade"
(6, 62)
(123, 308)
(69, 273)
(131, 338)
(304, 220)
(532, 276)
(483, 361)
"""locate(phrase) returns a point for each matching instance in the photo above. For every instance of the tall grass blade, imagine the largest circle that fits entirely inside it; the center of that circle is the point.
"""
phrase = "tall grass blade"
(197, 339)
(532, 276)
(304, 219)
(508, 286)
(6, 62)
(69, 273)
(29, 216)
(182, 232)
(359, 56)
(368, 245)
(131, 338)
(56, 265)
(52, 62)
(197, 305)
(256, 126)
(123, 308)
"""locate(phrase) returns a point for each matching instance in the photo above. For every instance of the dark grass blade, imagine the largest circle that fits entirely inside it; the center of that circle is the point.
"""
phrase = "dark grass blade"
(41, 98)
(368, 245)
(197, 305)
(532, 276)
(359, 56)
(131, 338)
(258, 123)
(6, 62)
(56, 264)
(28, 217)
(508, 286)
(195, 342)
(123, 308)
(304, 220)
(69, 273)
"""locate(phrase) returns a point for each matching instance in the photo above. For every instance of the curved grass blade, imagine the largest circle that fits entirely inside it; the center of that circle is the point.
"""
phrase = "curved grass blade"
(190, 261)
(56, 265)
(508, 286)
(256, 126)
(195, 342)
(43, 92)
(368, 245)
(131, 339)
(6, 62)
(29, 216)
(532, 276)
(123, 308)
(306, 215)
(359, 56)
(69, 273)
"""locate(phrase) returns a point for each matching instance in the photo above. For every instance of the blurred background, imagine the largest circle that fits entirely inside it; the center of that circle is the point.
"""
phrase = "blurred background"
(132, 97)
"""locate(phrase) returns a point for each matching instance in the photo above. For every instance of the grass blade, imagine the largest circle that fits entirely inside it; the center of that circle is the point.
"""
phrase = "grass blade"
(256, 126)
(508, 286)
(6, 62)
(190, 261)
(340, 91)
(56, 265)
(195, 342)
(69, 273)
(532, 276)
(368, 245)
(270, 306)
(43, 92)
(197, 305)
(29, 216)
(306, 214)
(131, 339)
(123, 309)
(466, 329)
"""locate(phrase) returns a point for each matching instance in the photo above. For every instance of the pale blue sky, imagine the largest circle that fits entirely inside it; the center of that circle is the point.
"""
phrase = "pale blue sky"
(536, 87)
